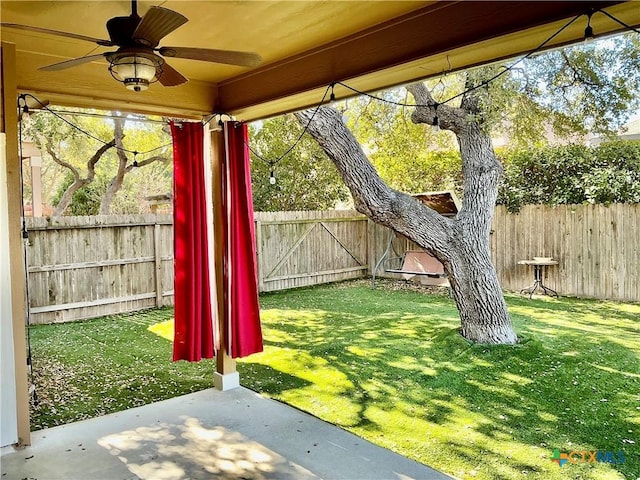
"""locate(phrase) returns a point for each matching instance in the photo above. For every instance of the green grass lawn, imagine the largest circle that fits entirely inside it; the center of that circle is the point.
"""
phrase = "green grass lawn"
(388, 365)
(86, 369)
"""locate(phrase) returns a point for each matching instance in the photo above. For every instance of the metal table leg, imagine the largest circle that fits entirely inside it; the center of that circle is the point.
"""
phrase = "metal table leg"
(537, 283)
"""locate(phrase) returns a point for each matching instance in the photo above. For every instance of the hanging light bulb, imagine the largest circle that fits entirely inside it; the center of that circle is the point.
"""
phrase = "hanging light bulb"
(588, 31)
(24, 115)
(332, 97)
(23, 107)
(135, 160)
(272, 178)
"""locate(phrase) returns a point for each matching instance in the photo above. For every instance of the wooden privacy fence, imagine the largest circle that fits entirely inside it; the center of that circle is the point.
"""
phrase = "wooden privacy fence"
(597, 247)
(306, 248)
(83, 267)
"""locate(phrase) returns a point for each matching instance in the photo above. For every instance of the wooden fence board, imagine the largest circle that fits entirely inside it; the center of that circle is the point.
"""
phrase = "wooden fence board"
(306, 248)
(82, 267)
(596, 247)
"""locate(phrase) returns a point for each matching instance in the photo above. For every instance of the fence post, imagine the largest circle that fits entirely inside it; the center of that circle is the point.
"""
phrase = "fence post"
(258, 228)
(158, 262)
(371, 246)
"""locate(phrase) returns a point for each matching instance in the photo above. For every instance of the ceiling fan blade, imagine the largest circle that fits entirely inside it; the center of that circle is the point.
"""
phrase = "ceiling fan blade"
(17, 26)
(229, 57)
(171, 77)
(72, 63)
(156, 24)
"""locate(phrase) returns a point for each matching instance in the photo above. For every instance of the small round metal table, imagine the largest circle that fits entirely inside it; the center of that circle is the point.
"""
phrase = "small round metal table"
(538, 273)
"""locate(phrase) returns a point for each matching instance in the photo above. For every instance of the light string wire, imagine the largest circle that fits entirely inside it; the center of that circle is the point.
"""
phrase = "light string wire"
(330, 88)
(25, 238)
(470, 89)
(55, 113)
(273, 163)
(617, 20)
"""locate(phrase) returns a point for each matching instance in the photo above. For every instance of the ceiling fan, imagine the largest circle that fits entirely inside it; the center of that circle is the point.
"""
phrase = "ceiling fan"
(139, 60)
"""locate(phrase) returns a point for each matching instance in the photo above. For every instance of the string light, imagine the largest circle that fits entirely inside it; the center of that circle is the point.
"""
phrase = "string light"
(588, 31)
(22, 98)
(332, 97)
(24, 115)
(273, 163)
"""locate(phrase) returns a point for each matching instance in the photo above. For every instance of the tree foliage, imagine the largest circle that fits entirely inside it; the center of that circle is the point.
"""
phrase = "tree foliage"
(396, 146)
(571, 174)
(97, 183)
(567, 93)
(305, 178)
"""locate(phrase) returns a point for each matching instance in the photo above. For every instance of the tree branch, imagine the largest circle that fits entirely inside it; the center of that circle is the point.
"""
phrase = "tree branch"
(78, 181)
(371, 195)
(449, 118)
(577, 75)
(91, 164)
(147, 161)
(48, 143)
(481, 169)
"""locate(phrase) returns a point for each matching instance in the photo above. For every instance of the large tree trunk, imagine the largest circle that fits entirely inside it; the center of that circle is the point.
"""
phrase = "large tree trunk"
(474, 281)
(461, 244)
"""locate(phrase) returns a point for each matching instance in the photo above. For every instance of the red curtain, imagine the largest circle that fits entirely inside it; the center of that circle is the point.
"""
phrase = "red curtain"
(193, 337)
(241, 281)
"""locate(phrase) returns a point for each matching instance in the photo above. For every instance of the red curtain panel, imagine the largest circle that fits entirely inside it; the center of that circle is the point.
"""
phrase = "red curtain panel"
(193, 337)
(241, 280)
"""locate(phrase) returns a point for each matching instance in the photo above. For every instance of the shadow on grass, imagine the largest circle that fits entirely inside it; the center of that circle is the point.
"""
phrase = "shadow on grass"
(392, 368)
(266, 379)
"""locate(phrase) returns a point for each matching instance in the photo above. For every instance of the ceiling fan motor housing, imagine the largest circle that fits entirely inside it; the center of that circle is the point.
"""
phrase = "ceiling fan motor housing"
(121, 30)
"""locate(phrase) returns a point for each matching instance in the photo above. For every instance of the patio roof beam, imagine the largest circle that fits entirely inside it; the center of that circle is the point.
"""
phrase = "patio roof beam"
(398, 51)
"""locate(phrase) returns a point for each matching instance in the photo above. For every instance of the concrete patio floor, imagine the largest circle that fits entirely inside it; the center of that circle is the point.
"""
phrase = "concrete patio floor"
(236, 434)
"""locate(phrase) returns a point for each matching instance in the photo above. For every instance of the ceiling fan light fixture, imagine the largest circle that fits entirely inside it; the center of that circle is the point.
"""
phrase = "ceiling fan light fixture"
(135, 70)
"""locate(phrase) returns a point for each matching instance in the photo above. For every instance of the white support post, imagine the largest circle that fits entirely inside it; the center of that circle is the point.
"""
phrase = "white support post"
(226, 376)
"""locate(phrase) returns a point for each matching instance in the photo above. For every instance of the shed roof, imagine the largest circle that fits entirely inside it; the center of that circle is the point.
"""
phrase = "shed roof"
(446, 202)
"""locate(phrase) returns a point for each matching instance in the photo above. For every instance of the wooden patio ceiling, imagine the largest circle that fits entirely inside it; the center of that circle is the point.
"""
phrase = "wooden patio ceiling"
(305, 45)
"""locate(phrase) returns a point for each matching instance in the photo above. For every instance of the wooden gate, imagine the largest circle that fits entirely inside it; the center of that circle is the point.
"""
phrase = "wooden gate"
(306, 248)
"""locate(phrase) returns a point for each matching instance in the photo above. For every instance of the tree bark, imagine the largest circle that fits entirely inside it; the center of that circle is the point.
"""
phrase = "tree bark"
(78, 180)
(116, 182)
(461, 244)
